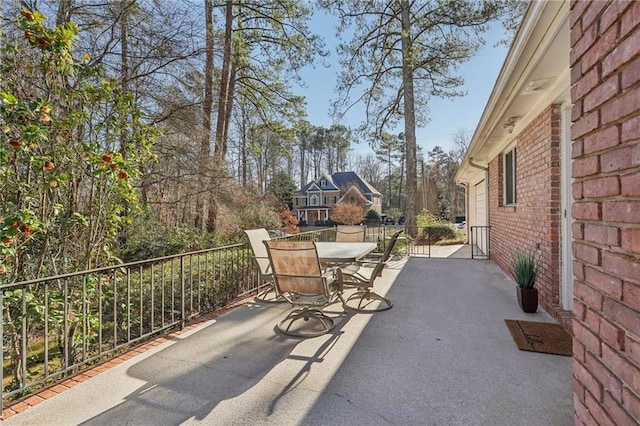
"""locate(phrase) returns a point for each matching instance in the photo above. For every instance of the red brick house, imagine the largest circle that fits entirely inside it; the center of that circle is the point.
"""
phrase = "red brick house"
(605, 92)
(516, 171)
(554, 167)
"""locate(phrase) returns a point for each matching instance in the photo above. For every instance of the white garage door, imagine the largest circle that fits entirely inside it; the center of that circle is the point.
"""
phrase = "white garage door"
(479, 235)
(481, 204)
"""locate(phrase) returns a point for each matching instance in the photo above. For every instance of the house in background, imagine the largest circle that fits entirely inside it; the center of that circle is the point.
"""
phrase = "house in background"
(314, 203)
(554, 168)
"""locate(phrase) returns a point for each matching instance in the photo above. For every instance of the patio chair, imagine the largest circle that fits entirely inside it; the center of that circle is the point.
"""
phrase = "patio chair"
(362, 276)
(363, 279)
(374, 258)
(350, 233)
(268, 294)
(386, 255)
(299, 279)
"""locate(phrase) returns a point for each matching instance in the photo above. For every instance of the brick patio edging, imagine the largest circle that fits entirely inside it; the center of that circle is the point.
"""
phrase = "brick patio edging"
(18, 406)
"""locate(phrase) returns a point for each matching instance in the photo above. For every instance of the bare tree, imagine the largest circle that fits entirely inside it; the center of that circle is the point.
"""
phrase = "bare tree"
(403, 53)
(265, 44)
(368, 167)
(461, 141)
(304, 133)
(338, 144)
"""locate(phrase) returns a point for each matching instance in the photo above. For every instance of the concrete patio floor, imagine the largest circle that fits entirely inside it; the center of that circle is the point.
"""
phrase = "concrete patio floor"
(441, 356)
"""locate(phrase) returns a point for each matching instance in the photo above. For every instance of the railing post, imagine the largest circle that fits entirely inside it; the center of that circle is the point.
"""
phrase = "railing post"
(2, 347)
(182, 294)
(480, 240)
(471, 229)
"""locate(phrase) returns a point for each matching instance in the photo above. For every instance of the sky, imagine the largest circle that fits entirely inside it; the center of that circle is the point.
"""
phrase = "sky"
(447, 116)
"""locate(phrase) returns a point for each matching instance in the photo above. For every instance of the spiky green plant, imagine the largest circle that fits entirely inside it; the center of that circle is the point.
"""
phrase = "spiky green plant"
(524, 268)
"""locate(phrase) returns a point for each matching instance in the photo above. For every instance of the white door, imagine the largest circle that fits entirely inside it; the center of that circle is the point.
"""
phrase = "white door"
(566, 285)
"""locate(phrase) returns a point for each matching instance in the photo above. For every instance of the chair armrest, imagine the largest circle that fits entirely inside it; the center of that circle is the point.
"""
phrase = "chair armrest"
(369, 263)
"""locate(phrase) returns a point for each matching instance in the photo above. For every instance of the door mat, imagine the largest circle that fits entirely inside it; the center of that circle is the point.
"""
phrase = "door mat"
(543, 337)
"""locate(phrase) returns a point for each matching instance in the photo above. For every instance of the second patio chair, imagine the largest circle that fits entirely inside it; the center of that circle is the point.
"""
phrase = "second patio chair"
(350, 233)
(268, 292)
(373, 258)
(299, 279)
(362, 276)
(366, 299)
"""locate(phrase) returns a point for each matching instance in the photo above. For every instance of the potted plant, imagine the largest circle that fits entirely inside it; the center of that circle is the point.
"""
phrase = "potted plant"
(525, 271)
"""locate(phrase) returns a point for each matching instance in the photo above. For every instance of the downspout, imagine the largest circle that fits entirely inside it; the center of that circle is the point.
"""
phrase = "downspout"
(466, 204)
(486, 171)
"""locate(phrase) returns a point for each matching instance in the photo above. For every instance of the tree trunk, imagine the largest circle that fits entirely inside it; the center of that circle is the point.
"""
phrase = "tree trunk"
(389, 178)
(124, 66)
(409, 117)
(220, 147)
(207, 109)
(244, 141)
(124, 84)
(402, 167)
(229, 106)
(64, 11)
(303, 166)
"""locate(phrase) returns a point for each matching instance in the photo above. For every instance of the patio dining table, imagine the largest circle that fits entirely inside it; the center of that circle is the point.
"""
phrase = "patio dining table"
(333, 252)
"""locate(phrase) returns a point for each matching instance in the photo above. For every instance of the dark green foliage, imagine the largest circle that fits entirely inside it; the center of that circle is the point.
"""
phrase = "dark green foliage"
(372, 218)
(437, 232)
(282, 188)
(149, 237)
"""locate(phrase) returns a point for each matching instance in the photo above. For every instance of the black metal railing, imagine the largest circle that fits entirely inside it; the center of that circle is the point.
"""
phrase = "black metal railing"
(54, 326)
(423, 241)
(431, 240)
(479, 241)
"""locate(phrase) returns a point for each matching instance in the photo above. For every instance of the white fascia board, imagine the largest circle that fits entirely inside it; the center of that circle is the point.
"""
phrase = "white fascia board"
(507, 87)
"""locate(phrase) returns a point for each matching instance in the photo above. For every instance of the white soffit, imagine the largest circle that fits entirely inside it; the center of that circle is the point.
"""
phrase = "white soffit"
(537, 62)
(537, 87)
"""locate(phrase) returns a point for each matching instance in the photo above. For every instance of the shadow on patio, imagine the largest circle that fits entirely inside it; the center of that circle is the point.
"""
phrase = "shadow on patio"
(441, 356)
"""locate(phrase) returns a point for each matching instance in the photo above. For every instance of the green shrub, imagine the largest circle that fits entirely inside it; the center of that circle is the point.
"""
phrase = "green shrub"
(149, 237)
(402, 243)
(425, 219)
(372, 218)
(434, 233)
(259, 215)
(450, 241)
(431, 230)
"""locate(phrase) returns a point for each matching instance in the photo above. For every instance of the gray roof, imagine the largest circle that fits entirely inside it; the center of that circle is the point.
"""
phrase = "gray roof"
(341, 180)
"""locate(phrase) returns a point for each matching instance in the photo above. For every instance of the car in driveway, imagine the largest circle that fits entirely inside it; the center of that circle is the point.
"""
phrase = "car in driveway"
(389, 220)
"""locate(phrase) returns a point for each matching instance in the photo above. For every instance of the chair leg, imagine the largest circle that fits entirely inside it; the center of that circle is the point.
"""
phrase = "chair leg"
(320, 318)
(269, 295)
(365, 297)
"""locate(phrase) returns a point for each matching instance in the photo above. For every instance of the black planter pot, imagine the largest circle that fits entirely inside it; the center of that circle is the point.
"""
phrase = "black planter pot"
(528, 299)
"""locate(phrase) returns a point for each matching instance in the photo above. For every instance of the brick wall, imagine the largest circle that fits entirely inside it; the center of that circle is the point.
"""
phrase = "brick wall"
(605, 77)
(533, 223)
